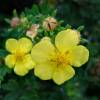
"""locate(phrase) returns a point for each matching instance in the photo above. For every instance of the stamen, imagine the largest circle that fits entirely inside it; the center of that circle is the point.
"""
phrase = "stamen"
(61, 59)
(19, 56)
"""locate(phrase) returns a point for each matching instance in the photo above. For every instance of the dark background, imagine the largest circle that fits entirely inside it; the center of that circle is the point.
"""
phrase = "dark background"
(7, 6)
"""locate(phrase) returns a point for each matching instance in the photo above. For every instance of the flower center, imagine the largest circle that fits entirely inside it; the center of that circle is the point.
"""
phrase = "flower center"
(19, 56)
(61, 59)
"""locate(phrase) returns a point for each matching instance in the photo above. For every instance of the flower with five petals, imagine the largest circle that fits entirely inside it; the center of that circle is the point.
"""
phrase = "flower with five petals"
(20, 59)
(55, 61)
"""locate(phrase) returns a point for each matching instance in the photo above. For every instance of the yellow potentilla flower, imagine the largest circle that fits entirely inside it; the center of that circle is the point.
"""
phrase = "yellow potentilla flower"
(55, 61)
(20, 59)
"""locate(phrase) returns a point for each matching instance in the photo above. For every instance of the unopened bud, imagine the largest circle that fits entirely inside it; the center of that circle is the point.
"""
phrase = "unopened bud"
(15, 21)
(33, 31)
(50, 23)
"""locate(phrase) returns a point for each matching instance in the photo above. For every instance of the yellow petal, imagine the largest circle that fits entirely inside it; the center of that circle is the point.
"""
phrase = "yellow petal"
(10, 61)
(20, 69)
(42, 51)
(79, 56)
(44, 71)
(25, 45)
(11, 45)
(67, 39)
(63, 74)
(28, 62)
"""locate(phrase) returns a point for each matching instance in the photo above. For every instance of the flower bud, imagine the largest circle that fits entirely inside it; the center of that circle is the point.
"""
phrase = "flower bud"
(15, 21)
(32, 32)
(50, 23)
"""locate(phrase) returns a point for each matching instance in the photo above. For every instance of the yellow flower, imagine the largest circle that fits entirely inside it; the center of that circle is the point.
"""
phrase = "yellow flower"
(55, 61)
(20, 59)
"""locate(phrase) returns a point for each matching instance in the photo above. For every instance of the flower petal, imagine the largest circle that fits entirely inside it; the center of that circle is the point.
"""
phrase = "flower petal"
(28, 62)
(10, 61)
(79, 56)
(20, 69)
(63, 74)
(25, 45)
(44, 71)
(67, 39)
(11, 45)
(42, 51)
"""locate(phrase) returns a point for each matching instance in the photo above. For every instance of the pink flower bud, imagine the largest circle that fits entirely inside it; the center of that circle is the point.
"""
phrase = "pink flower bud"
(33, 31)
(15, 21)
(50, 23)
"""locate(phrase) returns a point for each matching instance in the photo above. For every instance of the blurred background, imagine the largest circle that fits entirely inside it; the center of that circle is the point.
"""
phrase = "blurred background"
(74, 13)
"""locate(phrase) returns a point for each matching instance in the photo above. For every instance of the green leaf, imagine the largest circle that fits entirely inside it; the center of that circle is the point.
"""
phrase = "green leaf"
(11, 96)
(35, 10)
(11, 85)
(80, 28)
(68, 26)
(7, 20)
(15, 13)
(84, 40)
(3, 71)
(3, 53)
